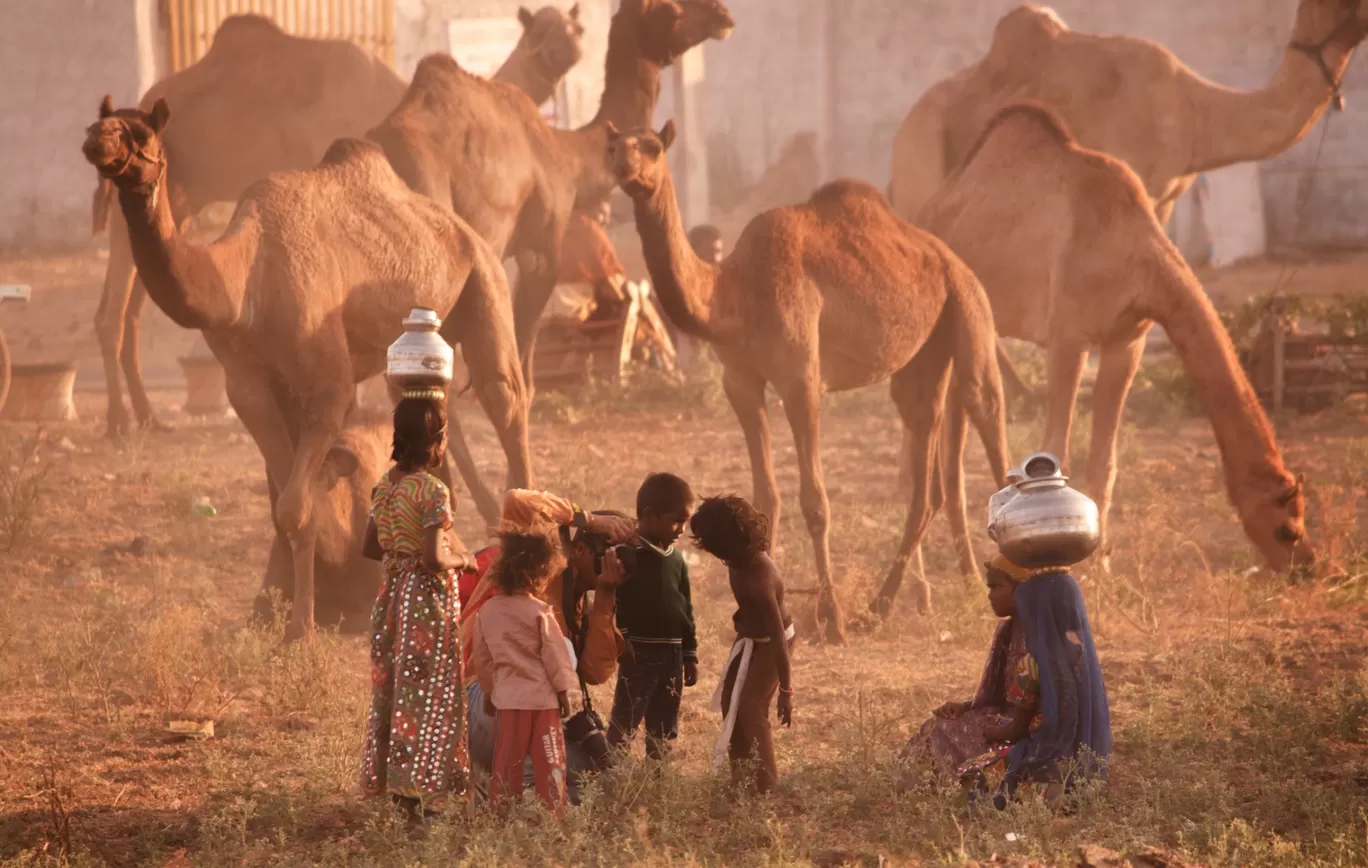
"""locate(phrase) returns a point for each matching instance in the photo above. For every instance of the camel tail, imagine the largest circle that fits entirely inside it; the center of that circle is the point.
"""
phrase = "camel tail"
(978, 380)
(100, 204)
(920, 153)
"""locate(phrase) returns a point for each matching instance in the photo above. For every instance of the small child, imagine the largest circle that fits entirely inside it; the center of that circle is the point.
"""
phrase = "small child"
(655, 615)
(525, 671)
(731, 530)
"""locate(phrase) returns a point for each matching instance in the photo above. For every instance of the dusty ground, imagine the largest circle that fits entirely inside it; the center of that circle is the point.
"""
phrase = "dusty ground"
(1240, 703)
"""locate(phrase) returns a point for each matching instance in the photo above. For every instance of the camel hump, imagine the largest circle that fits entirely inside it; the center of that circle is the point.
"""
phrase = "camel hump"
(1032, 116)
(436, 70)
(247, 28)
(846, 191)
(349, 150)
(1029, 22)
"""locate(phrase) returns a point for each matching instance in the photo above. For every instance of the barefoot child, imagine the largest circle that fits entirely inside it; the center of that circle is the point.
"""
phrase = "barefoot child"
(525, 671)
(655, 614)
(729, 529)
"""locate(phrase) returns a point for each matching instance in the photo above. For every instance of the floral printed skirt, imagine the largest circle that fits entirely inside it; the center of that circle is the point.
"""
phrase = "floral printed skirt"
(415, 739)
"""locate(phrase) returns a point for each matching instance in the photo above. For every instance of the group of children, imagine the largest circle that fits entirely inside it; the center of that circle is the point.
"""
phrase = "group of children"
(526, 666)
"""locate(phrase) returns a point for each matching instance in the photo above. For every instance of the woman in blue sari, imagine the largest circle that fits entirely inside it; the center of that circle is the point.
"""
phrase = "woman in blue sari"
(1041, 713)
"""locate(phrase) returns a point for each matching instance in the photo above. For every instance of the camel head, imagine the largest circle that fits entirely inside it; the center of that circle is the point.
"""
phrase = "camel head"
(637, 159)
(1323, 24)
(669, 28)
(1275, 522)
(553, 37)
(125, 145)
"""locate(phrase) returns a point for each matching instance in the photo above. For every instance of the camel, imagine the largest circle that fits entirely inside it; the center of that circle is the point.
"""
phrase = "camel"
(1127, 97)
(835, 293)
(548, 49)
(1063, 221)
(481, 149)
(263, 101)
(303, 293)
(347, 582)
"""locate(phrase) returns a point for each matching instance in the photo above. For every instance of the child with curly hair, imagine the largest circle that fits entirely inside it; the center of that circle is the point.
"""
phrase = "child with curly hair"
(731, 530)
(525, 670)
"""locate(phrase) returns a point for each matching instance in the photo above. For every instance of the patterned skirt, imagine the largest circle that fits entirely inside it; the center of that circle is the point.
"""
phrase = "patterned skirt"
(415, 739)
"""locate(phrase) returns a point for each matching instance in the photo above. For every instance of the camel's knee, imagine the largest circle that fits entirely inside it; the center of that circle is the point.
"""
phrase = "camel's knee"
(294, 508)
(503, 402)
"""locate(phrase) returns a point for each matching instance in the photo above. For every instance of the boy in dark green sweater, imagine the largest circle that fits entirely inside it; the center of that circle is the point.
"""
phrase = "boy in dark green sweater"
(655, 615)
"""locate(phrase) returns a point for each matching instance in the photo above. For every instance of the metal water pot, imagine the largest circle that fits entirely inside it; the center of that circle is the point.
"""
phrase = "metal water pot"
(420, 358)
(1045, 523)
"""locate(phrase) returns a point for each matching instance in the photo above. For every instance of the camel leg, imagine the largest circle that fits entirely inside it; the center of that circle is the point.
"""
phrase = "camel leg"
(110, 319)
(536, 281)
(803, 406)
(481, 324)
(1065, 373)
(1115, 371)
(130, 357)
(919, 391)
(951, 452)
(1013, 385)
(746, 392)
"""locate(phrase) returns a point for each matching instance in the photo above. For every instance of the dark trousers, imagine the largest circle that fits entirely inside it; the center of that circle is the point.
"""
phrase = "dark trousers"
(649, 686)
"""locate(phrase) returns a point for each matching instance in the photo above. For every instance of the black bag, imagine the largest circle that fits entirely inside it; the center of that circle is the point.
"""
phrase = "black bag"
(584, 728)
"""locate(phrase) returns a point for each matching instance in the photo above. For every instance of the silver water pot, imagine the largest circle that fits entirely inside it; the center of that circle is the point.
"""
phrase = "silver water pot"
(1045, 523)
(420, 358)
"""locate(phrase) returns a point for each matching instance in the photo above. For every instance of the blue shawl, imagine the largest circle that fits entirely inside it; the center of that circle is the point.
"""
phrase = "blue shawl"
(1073, 699)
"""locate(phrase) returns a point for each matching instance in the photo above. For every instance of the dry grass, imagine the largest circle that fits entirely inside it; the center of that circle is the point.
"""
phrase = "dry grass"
(1240, 704)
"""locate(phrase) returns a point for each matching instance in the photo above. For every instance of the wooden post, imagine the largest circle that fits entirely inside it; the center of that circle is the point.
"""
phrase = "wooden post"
(1277, 306)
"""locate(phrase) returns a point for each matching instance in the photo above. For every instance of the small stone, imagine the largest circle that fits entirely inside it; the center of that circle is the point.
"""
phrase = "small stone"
(65, 444)
(139, 546)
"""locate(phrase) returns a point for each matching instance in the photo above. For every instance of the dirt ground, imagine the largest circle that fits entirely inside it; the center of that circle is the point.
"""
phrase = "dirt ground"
(1239, 700)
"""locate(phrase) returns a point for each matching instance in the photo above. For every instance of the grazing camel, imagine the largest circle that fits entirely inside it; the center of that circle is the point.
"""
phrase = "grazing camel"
(1127, 97)
(1073, 257)
(303, 293)
(262, 101)
(836, 293)
(481, 149)
(346, 581)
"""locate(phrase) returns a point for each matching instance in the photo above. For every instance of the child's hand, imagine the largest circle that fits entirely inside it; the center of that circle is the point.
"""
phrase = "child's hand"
(613, 574)
(563, 699)
(785, 708)
(690, 674)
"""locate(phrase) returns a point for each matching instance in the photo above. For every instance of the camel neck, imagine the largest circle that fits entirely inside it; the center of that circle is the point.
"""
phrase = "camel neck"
(684, 283)
(1244, 436)
(522, 70)
(184, 279)
(1235, 126)
(631, 81)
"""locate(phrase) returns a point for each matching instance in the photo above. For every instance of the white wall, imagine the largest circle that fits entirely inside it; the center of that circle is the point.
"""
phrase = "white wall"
(57, 59)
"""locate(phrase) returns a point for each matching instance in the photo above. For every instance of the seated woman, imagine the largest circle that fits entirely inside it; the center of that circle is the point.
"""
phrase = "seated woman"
(1040, 719)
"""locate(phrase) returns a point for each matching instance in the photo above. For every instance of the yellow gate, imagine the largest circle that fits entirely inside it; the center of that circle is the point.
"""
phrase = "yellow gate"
(368, 23)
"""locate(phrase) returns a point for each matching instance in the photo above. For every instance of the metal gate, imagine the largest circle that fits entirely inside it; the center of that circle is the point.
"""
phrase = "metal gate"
(368, 23)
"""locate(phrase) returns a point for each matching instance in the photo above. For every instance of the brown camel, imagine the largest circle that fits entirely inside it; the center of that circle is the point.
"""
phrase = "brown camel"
(347, 582)
(548, 49)
(1127, 97)
(481, 149)
(263, 101)
(303, 293)
(836, 293)
(1073, 257)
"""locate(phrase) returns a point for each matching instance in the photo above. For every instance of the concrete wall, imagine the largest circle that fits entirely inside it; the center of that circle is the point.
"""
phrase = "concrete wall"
(58, 58)
(850, 70)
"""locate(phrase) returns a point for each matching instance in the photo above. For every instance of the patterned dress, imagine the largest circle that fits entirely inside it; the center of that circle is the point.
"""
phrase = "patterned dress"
(415, 738)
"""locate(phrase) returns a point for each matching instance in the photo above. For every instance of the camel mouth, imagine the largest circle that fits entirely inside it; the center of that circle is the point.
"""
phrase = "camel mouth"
(722, 33)
(633, 186)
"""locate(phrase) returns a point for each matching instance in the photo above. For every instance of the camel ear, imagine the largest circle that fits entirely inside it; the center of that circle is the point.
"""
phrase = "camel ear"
(613, 134)
(524, 18)
(667, 134)
(574, 13)
(106, 107)
(161, 113)
(340, 464)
